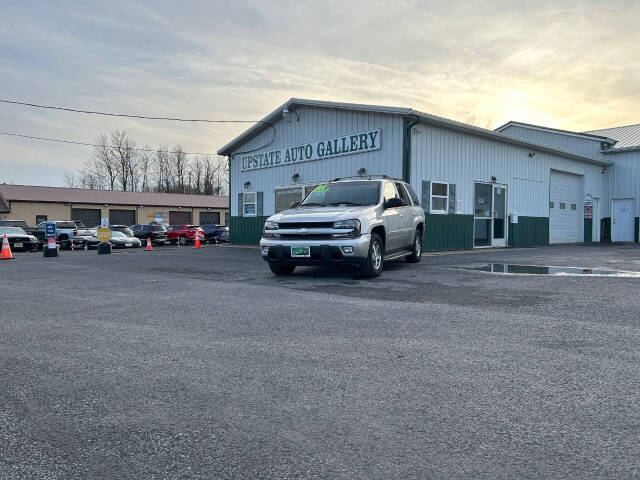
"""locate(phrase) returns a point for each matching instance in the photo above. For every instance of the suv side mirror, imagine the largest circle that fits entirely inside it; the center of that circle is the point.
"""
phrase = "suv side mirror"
(294, 204)
(394, 203)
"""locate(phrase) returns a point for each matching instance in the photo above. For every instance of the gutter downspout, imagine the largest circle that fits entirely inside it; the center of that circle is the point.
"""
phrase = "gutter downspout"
(406, 147)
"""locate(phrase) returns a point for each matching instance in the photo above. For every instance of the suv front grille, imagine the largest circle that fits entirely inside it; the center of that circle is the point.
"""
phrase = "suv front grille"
(295, 225)
(305, 236)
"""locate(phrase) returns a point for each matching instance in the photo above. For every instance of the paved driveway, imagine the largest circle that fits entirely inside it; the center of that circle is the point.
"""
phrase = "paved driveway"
(184, 363)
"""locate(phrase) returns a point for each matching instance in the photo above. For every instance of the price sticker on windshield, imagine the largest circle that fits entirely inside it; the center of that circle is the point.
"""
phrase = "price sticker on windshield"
(322, 188)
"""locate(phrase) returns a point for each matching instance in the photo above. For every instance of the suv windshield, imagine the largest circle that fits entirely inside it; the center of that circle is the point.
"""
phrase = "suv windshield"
(344, 193)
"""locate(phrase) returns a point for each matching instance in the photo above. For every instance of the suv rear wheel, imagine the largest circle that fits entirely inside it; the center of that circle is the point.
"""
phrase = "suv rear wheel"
(279, 269)
(375, 259)
(416, 250)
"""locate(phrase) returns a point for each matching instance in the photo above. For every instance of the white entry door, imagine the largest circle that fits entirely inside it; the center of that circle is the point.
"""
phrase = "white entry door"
(622, 222)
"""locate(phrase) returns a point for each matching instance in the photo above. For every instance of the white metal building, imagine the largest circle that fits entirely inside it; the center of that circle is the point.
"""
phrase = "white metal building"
(615, 214)
(479, 188)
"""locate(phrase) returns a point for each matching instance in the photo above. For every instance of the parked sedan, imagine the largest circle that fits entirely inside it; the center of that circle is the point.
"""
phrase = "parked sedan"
(19, 239)
(118, 240)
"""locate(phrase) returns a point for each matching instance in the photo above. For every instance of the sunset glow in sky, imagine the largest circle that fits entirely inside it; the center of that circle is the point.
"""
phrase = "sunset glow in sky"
(571, 65)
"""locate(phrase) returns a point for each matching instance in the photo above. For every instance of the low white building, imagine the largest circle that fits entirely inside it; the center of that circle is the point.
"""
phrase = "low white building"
(479, 188)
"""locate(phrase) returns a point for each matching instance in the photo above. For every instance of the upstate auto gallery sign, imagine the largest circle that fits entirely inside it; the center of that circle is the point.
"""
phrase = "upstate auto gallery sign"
(331, 147)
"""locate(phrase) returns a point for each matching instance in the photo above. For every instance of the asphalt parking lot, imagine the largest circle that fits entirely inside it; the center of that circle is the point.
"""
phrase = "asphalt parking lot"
(183, 363)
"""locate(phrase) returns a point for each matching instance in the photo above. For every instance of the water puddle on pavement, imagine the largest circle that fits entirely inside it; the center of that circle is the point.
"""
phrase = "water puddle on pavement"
(544, 270)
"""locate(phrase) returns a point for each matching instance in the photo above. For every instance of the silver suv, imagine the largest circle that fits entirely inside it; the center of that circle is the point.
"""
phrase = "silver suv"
(364, 221)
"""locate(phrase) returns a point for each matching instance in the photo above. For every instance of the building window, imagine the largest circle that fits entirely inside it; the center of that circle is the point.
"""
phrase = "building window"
(285, 196)
(41, 218)
(439, 197)
(563, 205)
(249, 204)
(551, 204)
(574, 206)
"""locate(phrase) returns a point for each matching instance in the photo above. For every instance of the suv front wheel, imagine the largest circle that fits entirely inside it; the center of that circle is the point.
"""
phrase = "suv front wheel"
(372, 267)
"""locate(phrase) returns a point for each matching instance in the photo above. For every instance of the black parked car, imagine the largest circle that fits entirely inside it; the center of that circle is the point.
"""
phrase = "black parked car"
(157, 234)
(118, 240)
(215, 233)
(19, 239)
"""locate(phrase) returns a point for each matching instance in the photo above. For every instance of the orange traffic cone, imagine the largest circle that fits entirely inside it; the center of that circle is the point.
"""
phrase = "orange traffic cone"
(148, 249)
(197, 245)
(6, 249)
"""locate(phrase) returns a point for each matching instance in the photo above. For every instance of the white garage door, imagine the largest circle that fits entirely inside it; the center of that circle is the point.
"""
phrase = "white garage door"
(565, 208)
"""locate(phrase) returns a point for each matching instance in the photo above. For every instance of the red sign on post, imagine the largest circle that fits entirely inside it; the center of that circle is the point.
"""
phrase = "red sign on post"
(588, 212)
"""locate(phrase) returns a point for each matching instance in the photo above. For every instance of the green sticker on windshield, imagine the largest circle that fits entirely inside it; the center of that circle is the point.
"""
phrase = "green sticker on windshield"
(322, 188)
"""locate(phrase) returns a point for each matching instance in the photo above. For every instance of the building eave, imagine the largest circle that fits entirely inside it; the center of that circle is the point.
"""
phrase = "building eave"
(503, 137)
(294, 103)
(635, 148)
(588, 136)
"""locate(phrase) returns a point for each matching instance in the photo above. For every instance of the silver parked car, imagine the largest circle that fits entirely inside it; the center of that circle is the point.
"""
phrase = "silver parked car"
(364, 221)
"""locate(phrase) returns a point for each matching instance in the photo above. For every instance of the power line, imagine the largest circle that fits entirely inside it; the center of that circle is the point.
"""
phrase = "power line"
(144, 117)
(11, 134)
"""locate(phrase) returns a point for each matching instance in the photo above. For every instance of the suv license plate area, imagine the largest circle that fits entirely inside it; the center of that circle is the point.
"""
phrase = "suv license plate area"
(297, 252)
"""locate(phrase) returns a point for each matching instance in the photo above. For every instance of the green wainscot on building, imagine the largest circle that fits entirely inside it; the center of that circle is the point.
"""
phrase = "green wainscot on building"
(518, 185)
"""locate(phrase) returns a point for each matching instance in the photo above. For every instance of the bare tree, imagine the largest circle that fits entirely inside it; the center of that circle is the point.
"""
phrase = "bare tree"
(125, 159)
(70, 180)
(104, 162)
(180, 168)
(116, 163)
(145, 160)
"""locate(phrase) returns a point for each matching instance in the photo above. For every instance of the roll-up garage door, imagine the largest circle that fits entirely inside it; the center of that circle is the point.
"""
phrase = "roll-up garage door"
(209, 218)
(89, 216)
(179, 218)
(565, 208)
(122, 217)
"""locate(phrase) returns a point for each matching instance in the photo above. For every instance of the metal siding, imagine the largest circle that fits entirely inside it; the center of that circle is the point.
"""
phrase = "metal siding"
(317, 124)
(582, 146)
(623, 179)
(445, 155)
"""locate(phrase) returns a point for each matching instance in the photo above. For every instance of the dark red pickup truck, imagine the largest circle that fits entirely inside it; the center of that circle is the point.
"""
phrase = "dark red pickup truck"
(184, 233)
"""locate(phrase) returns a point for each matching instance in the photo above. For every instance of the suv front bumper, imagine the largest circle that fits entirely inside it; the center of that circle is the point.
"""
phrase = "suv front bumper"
(322, 251)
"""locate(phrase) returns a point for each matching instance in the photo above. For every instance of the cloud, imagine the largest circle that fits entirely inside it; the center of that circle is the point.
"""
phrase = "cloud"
(569, 65)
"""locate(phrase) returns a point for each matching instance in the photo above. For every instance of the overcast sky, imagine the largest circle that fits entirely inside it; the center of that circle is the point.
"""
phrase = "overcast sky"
(566, 64)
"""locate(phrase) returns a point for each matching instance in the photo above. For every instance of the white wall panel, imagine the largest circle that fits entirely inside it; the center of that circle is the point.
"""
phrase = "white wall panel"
(318, 124)
(439, 154)
(571, 143)
(624, 179)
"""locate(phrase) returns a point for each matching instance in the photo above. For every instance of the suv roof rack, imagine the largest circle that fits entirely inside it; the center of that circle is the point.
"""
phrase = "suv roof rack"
(366, 177)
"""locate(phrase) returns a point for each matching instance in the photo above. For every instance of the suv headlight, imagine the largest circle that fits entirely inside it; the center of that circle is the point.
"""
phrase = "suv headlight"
(270, 226)
(353, 225)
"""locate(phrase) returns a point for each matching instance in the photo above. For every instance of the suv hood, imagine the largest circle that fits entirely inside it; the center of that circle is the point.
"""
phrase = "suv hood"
(319, 214)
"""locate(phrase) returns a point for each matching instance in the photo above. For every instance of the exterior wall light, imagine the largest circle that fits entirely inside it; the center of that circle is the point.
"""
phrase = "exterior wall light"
(295, 177)
(532, 154)
(494, 179)
(247, 184)
(362, 172)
